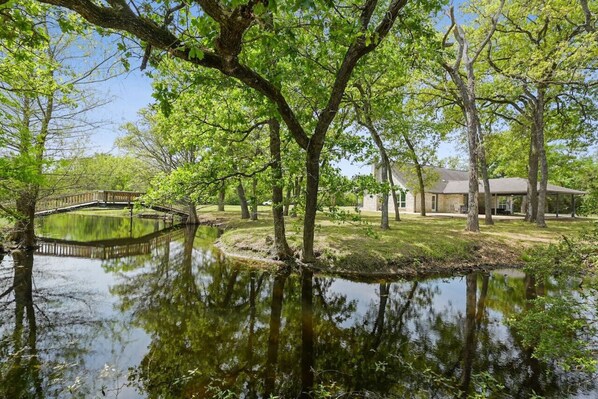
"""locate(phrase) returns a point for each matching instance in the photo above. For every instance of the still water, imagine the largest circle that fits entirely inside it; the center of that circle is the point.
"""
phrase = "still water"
(110, 310)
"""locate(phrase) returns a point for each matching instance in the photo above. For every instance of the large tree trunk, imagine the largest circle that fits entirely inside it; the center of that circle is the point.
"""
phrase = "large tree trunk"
(393, 191)
(27, 198)
(467, 96)
(254, 199)
(532, 177)
(473, 223)
(243, 201)
(385, 160)
(192, 219)
(420, 174)
(281, 246)
(484, 168)
(24, 228)
(422, 189)
(296, 194)
(287, 201)
(384, 216)
(311, 202)
(221, 195)
(539, 124)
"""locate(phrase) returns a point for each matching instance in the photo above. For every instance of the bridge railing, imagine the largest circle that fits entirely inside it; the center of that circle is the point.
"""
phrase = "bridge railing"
(111, 197)
(66, 201)
(89, 197)
(101, 197)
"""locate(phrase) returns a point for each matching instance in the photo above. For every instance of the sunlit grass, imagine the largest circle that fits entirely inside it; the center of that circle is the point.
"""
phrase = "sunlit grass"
(364, 246)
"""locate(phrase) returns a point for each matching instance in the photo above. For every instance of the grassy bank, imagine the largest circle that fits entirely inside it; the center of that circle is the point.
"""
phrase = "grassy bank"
(415, 245)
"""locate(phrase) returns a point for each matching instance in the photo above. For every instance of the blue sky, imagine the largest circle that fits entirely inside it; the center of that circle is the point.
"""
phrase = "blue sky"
(128, 94)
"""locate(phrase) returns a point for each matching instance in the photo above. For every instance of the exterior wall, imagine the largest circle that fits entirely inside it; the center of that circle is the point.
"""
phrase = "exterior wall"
(417, 202)
(370, 202)
(445, 203)
(450, 203)
(409, 202)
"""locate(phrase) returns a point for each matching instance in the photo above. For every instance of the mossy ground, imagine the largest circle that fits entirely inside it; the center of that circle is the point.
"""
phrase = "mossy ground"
(415, 245)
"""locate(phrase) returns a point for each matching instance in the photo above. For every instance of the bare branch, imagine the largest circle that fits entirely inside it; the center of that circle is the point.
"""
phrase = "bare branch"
(490, 32)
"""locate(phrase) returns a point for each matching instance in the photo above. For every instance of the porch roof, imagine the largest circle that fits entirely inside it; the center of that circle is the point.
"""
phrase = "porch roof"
(503, 186)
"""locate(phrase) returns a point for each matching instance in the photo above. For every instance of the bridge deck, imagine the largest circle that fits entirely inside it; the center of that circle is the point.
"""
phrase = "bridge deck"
(68, 203)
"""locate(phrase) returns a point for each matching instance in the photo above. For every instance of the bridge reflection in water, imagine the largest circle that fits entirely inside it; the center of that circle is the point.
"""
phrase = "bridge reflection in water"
(111, 248)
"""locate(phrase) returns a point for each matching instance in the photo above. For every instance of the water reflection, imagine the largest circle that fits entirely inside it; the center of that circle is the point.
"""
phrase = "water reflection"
(21, 372)
(87, 227)
(44, 336)
(189, 324)
(257, 334)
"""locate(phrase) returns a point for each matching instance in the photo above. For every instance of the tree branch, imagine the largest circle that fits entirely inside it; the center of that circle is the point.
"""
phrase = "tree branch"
(354, 53)
(122, 18)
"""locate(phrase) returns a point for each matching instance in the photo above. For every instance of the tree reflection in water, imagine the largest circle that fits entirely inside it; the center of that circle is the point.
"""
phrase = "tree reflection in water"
(219, 328)
(44, 339)
(215, 327)
(21, 373)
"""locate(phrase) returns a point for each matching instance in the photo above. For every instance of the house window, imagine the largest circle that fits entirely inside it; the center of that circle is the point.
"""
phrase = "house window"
(402, 199)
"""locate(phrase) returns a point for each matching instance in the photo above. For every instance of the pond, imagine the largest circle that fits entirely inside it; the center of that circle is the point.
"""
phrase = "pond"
(164, 315)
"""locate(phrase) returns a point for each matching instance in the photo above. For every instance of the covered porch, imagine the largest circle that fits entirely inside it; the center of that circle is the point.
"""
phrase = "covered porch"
(509, 197)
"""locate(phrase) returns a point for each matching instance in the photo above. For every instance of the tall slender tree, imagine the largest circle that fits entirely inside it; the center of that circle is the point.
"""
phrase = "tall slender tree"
(466, 55)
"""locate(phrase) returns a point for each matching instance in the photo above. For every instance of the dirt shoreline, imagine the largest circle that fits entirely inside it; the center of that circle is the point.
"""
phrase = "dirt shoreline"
(483, 260)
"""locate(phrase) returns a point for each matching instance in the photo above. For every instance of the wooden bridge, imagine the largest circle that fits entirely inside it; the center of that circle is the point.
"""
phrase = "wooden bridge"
(109, 249)
(119, 199)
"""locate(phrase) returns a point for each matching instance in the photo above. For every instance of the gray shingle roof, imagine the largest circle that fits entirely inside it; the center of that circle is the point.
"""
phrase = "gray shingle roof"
(452, 181)
(444, 176)
(505, 185)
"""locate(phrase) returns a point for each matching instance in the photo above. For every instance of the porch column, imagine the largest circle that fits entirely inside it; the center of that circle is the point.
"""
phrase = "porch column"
(572, 205)
(495, 204)
(557, 204)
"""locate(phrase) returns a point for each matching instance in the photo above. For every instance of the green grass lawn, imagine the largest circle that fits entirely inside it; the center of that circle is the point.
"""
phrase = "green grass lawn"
(415, 242)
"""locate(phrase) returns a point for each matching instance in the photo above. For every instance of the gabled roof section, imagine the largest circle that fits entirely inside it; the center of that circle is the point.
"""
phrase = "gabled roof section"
(442, 177)
(505, 186)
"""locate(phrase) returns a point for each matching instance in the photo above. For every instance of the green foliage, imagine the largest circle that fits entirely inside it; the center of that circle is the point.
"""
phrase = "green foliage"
(43, 109)
(104, 172)
(19, 32)
(563, 327)
(557, 329)
(579, 171)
